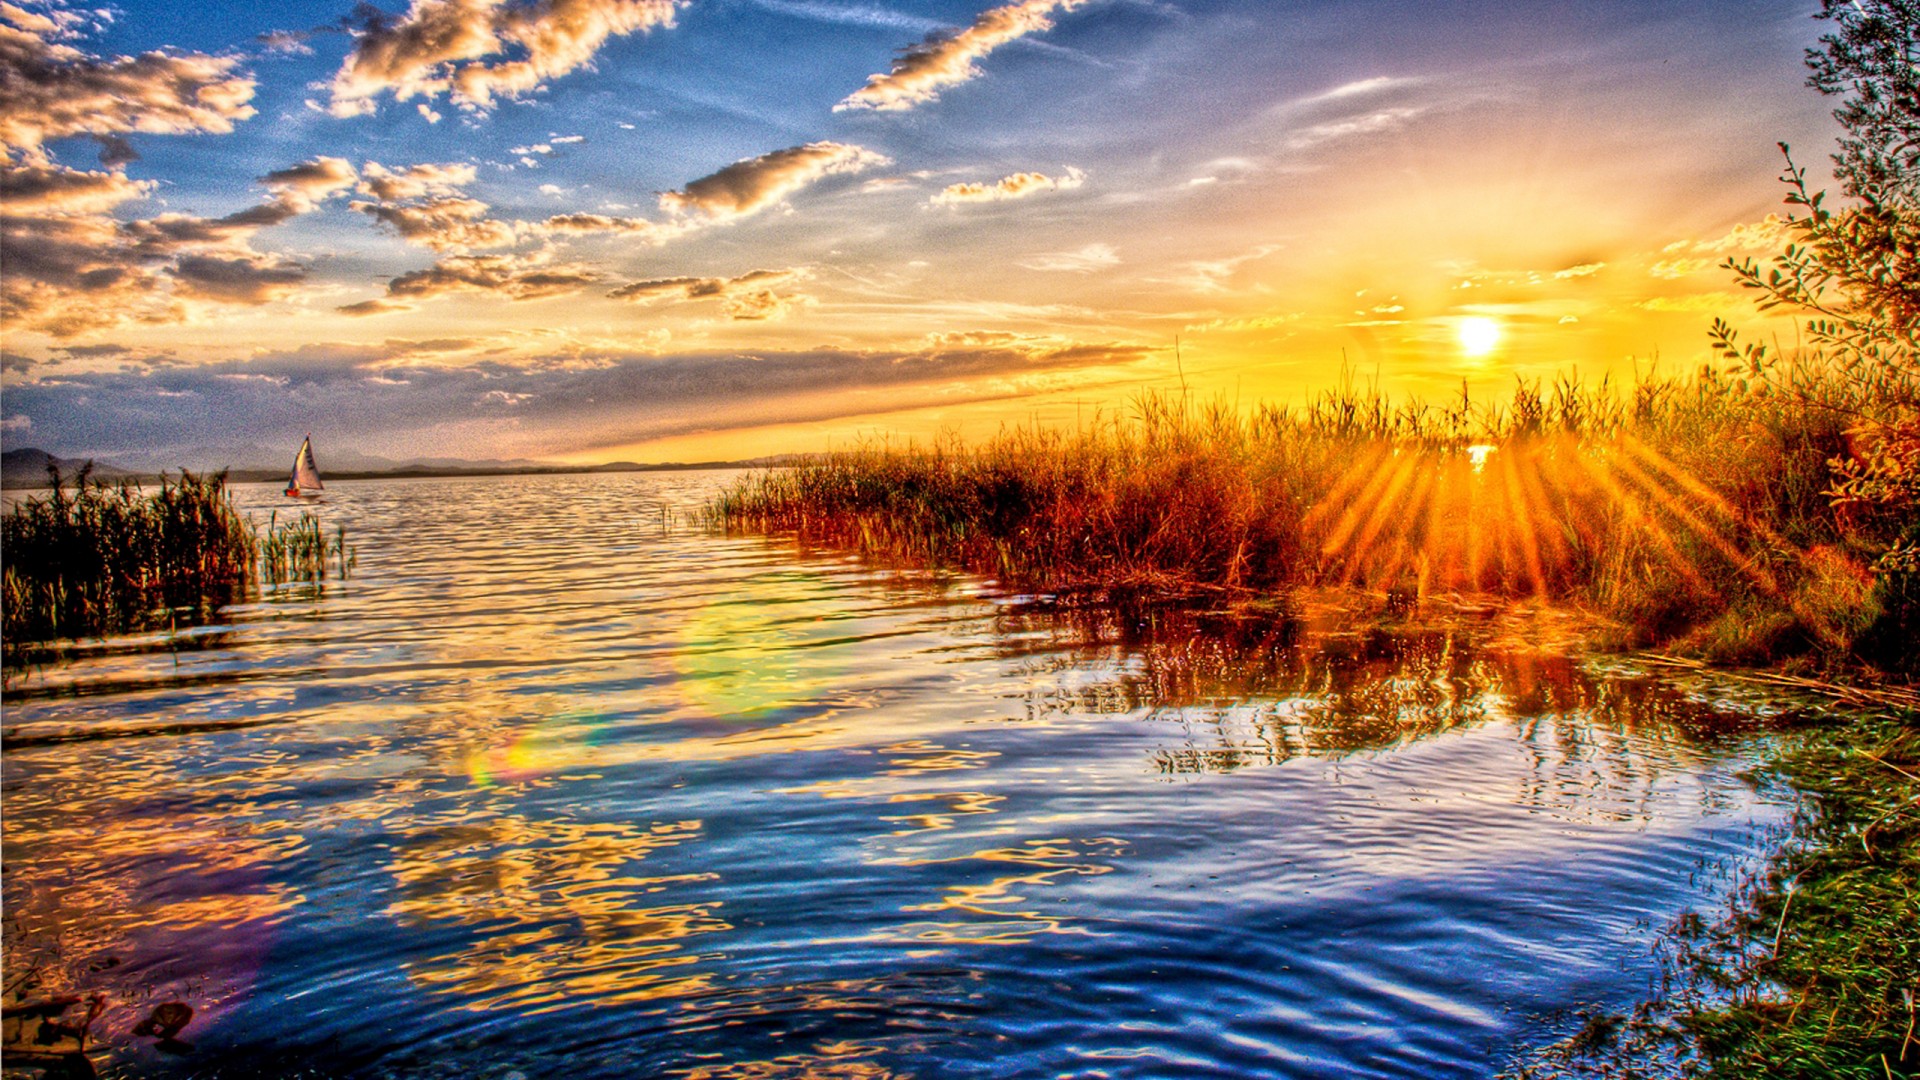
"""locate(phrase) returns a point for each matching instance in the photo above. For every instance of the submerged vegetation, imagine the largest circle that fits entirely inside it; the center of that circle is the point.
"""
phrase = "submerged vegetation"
(100, 558)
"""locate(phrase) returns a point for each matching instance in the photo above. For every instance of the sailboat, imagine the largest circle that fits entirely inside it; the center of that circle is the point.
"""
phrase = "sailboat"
(305, 481)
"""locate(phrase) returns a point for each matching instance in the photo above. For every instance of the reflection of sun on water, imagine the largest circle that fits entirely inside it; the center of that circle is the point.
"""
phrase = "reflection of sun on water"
(1478, 335)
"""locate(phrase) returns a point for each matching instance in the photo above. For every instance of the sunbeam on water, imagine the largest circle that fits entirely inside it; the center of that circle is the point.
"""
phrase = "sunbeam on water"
(547, 789)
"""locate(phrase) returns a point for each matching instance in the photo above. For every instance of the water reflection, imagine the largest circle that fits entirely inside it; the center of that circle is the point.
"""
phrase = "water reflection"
(559, 791)
(558, 912)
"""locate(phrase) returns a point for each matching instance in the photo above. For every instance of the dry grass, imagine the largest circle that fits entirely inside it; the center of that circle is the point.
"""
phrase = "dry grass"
(1692, 513)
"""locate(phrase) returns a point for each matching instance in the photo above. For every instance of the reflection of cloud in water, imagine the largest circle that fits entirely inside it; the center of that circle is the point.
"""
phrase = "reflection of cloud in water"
(98, 902)
(557, 916)
(1046, 864)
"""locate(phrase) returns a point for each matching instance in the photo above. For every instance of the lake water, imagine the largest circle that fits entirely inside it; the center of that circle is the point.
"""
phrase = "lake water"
(560, 785)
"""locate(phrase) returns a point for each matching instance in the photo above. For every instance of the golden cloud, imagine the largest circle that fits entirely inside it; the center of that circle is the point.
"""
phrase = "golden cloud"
(512, 276)
(414, 181)
(1018, 186)
(753, 184)
(947, 58)
(477, 51)
(747, 297)
(51, 90)
(443, 223)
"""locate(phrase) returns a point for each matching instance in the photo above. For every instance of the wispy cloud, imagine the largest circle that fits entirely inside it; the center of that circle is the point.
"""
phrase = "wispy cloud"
(1017, 186)
(1367, 123)
(474, 52)
(849, 15)
(946, 59)
(1086, 260)
(1214, 275)
(747, 297)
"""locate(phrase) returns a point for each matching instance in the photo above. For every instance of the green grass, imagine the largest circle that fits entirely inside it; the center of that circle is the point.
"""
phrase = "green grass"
(1690, 514)
(1814, 971)
(1818, 972)
(96, 558)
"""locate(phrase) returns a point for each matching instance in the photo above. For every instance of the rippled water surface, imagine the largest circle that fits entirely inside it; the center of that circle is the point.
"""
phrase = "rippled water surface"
(559, 785)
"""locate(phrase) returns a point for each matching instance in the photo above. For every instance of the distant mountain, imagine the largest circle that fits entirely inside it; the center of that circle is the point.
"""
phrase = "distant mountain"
(27, 468)
(253, 459)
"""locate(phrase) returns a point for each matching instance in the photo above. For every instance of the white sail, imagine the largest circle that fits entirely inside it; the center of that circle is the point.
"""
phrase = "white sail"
(306, 476)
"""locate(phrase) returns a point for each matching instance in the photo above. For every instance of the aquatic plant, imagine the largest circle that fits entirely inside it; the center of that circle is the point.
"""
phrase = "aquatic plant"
(300, 551)
(101, 558)
(1679, 508)
(106, 556)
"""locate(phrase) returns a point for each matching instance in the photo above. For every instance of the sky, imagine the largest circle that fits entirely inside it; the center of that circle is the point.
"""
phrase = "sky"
(652, 230)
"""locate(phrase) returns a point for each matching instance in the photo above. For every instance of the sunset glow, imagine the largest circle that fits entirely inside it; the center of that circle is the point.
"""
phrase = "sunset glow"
(667, 230)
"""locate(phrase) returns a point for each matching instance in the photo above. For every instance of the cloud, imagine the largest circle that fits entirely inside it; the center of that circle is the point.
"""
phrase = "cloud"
(313, 181)
(753, 184)
(849, 15)
(1378, 84)
(749, 296)
(376, 306)
(287, 42)
(237, 279)
(946, 59)
(414, 181)
(474, 52)
(44, 187)
(542, 403)
(443, 223)
(514, 277)
(1721, 302)
(1369, 123)
(51, 90)
(598, 224)
(1017, 186)
(1212, 275)
(1086, 260)
(73, 267)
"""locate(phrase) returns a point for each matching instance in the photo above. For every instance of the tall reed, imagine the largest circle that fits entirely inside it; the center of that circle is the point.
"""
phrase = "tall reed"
(1677, 507)
(101, 558)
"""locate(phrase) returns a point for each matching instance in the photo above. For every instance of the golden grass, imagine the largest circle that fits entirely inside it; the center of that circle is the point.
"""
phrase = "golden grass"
(1689, 511)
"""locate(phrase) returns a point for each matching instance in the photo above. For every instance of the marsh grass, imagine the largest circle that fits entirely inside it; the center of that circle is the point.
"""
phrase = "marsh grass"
(1690, 513)
(97, 558)
(300, 551)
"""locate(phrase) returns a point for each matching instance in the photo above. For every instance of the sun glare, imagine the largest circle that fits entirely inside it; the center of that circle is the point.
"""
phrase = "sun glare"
(1478, 335)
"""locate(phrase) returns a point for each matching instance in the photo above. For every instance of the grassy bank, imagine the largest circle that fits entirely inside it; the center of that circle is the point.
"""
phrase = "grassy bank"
(1814, 972)
(1817, 974)
(99, 558)
(1688, 513)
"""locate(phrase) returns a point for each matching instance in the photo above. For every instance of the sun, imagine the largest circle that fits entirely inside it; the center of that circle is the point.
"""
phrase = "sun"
(1479, 335)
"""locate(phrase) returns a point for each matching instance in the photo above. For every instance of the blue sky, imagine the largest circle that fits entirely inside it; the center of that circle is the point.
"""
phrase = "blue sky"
(648, 229)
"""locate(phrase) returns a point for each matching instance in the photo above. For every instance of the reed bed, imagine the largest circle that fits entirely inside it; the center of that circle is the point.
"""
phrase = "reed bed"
(1689, 512)
(98, 558)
